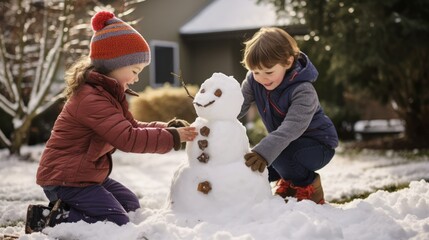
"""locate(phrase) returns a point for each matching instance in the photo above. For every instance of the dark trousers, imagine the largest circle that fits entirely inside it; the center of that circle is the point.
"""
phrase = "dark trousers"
(299, 161)
(109, 201)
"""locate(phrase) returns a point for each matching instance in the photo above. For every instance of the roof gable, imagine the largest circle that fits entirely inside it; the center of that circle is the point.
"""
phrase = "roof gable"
(233, 15)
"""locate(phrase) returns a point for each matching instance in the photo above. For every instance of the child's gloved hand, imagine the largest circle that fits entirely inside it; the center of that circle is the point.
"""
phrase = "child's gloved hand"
(255, 161)
(176, 123)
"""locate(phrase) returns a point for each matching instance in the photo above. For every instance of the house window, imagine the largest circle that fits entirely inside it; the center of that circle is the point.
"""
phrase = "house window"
(165, 60)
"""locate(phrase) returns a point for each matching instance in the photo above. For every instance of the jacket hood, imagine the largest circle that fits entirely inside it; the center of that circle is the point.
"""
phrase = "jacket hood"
(302, 71)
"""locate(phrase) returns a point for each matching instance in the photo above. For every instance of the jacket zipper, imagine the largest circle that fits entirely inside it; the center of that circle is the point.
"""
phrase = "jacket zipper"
(274, 106)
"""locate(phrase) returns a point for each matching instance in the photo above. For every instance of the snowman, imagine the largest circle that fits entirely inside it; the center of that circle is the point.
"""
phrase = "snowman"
(215, 178)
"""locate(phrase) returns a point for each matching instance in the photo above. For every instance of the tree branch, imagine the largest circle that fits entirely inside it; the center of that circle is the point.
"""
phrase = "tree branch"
(6, 71)
(7, 106)
(52, 60)
(18, 79)
(4, 140)
(179, 76)
(49, 104)
(42, 52)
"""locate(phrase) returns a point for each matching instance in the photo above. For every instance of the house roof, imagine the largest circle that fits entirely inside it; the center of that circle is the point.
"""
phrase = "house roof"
(233, 15)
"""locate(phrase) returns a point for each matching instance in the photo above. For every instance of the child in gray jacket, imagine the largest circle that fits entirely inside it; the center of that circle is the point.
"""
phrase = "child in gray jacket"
(301, 137)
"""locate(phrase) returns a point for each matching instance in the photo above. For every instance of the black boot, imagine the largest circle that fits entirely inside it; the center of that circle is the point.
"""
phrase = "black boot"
(36, 218)
(40, 216)
(58, 214)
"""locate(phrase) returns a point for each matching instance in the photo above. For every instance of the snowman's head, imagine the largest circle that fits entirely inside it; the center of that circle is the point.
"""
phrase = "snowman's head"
(219, 98)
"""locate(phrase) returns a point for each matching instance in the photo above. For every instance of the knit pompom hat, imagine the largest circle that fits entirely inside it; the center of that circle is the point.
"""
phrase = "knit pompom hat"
(116, 44)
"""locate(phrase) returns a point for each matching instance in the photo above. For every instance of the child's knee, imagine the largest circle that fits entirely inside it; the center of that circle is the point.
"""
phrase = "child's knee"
(132, 206)
(119, 219)
(130, 202)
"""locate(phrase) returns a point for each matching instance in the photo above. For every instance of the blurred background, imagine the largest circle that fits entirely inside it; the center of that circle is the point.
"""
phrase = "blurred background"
(372, 58)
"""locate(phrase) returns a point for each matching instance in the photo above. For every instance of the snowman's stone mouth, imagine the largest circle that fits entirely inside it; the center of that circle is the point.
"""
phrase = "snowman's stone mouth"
(208, 104)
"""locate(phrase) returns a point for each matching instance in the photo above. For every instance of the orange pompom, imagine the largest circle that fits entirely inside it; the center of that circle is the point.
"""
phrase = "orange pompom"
(99, 20)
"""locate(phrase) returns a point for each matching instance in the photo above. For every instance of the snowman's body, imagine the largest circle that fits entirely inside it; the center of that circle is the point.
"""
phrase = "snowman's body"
(216, 156)
(227, 142)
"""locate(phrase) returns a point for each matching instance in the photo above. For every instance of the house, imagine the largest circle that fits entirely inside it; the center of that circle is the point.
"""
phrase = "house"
(199, 37)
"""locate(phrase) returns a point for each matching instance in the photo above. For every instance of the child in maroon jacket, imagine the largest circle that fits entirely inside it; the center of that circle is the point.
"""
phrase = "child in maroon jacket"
(76, 163)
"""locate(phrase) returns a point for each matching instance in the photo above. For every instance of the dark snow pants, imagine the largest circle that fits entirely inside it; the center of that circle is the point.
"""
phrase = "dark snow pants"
(109, 201)
(299, 161)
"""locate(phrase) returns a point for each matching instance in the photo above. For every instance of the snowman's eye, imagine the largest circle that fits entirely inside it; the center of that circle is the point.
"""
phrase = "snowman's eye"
(218, 93)
(202, 90)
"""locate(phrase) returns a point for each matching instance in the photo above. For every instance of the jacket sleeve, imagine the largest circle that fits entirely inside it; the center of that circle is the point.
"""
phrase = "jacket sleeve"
(304, 105)
(150, 124)
(139, 124)
(247, 91)
(108, 121)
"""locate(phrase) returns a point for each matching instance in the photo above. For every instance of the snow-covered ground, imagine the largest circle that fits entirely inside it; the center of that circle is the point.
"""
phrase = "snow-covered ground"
(399, 215)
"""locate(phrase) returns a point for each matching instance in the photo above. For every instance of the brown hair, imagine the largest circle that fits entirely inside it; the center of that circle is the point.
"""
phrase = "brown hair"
(76, 75)
(268, 47)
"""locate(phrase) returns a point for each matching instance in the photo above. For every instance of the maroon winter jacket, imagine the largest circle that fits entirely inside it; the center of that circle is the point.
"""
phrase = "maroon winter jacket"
(94, 122)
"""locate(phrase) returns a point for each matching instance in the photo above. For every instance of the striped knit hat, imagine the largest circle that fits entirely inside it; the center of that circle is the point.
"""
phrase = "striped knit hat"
(116, 44)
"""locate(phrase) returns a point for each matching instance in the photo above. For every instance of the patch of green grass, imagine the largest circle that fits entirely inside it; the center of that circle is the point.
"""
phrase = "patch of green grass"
(12, 224)
(388, 188)
(407, 155)
(418, 153)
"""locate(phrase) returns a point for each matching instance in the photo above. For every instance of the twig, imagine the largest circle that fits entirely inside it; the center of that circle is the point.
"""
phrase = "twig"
(179, 76)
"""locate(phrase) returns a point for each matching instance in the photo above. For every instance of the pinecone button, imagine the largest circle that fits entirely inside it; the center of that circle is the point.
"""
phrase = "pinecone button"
(203, 158)
(204, 187)
(205, 131)
(203, 144)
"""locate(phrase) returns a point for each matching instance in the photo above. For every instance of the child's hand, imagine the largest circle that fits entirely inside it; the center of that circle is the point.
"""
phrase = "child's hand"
(255, 161)
(187, 133)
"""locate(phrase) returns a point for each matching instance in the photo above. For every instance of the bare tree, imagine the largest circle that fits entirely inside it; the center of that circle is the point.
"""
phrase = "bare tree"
(36, 39)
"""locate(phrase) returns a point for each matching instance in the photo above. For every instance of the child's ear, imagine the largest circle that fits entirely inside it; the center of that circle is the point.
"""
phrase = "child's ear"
(290, 61)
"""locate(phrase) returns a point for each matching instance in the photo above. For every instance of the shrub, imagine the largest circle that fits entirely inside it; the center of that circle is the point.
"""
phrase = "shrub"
(163, 104)
(256, 131)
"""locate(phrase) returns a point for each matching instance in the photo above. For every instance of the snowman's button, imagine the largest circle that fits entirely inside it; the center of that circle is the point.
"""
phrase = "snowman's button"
(204, 158)
(202, 144)
(218, 92)
(205, 131)
(204, 187)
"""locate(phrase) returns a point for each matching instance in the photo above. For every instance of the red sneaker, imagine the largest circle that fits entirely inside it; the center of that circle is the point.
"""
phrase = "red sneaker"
(284, 188)
(313, 192)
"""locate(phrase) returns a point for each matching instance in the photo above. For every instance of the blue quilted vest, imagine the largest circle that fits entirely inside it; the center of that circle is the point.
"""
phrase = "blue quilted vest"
(273, 105)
